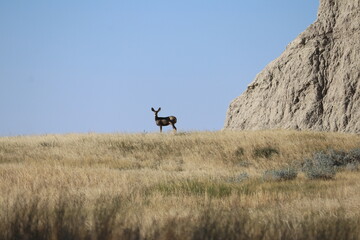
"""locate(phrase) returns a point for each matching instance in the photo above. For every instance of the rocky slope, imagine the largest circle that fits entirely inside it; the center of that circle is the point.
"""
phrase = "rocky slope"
(314, 84)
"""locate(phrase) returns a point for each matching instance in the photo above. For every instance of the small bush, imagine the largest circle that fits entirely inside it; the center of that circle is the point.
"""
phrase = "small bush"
(321, 166)
(50, 144)
(265, 152)
(337, 157)
(238, 157)
(353, 157)
(239, 152)
(280, 175)
(324, 165)
(350, 161)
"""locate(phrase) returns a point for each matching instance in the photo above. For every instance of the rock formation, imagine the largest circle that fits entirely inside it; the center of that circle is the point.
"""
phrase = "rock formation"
(314, 84)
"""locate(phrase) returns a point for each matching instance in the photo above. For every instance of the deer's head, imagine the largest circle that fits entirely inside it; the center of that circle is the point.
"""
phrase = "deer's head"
(156, 112)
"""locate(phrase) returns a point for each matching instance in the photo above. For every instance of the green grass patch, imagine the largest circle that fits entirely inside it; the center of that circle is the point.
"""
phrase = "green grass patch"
(195, 187)
(214, 189)
(306, 188)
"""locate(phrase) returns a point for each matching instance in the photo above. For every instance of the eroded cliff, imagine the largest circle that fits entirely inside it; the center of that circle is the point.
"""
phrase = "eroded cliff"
(314, 84)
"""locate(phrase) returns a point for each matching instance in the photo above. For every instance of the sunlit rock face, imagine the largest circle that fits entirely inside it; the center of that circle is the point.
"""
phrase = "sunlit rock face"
(314, 84)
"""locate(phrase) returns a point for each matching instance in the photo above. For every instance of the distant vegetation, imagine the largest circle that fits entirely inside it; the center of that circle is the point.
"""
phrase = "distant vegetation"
(196, 185)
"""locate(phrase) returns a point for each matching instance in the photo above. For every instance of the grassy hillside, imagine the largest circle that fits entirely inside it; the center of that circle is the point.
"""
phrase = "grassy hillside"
(199, 185)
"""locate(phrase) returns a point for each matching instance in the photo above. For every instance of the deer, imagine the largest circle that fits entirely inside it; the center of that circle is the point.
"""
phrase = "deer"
(164, 121)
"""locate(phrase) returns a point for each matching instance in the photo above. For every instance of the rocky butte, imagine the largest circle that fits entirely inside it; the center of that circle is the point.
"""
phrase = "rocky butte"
(314, 84)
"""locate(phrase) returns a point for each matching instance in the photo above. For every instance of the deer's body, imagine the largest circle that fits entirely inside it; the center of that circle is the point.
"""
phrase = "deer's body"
(164, 121)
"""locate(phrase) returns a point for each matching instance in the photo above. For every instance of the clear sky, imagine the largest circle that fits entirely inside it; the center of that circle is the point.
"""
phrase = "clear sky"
(99, 66)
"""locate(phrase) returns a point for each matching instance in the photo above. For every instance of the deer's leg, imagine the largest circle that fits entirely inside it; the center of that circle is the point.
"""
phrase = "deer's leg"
(160, 128)
(173, 125)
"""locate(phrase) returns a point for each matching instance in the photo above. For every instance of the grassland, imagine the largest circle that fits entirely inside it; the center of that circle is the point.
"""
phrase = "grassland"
(197, 185)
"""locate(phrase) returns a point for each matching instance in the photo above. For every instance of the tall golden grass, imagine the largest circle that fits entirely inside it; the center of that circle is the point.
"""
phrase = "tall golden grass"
(191, 185)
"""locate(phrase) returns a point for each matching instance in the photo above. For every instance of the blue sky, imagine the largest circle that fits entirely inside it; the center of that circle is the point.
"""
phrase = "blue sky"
(99, 66)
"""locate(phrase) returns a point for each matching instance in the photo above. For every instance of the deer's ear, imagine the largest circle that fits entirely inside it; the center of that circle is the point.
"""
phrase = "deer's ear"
(159, 109)
(152, 109)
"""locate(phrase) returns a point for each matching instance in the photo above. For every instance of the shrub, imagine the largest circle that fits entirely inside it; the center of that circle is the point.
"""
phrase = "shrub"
(49, 144)
(321, 166)
(280, 175)
(239, 152)
(337, 157)
(238, 157)
(324, 165)
(265, 152)
(350, 161)
(353, 157)
(342, 159)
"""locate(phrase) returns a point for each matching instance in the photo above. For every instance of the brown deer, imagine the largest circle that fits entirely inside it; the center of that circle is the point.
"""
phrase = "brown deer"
(164, 121)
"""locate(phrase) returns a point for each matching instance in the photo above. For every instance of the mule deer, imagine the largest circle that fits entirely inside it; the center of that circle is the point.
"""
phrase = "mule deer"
(164, 121)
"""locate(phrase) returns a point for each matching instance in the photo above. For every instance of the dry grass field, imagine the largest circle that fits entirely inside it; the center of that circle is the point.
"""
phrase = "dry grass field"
(196, 185)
